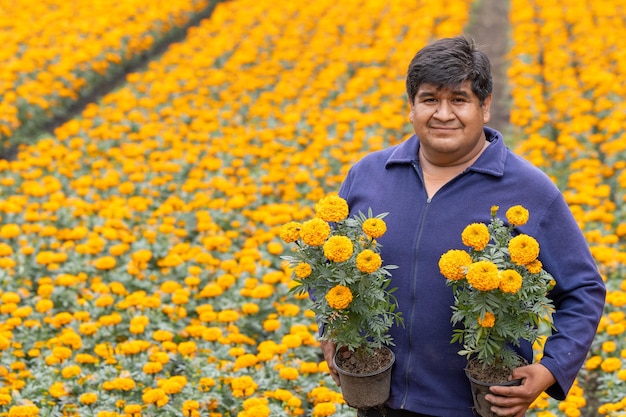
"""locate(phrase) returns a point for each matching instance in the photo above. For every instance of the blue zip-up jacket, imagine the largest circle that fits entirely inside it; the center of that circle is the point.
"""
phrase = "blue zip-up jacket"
(428, 375)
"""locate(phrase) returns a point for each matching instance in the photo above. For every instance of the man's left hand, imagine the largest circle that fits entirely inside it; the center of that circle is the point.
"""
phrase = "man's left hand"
(513, 401)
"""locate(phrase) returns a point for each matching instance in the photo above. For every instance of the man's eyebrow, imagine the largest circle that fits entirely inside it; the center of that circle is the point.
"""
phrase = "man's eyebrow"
(455, 92)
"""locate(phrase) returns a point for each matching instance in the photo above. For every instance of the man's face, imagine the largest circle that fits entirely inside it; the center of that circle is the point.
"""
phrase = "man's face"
(449, 123)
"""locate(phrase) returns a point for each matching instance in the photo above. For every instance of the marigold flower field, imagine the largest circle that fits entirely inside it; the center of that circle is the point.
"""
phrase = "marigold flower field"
(140, 269)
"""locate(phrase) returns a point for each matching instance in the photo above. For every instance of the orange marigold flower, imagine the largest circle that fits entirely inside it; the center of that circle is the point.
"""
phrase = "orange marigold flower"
(290, 232)
(534, 267)
(476, 236)
(483, 275)
(57, 390)
(488, 321)
(523, 249)
(105, 263)
(338, 248)
(453, 264)
(332, 208)
(510, 281)
(9, 231)
(374, 227)
(517, 215)
(324, 409)
(303, 270)
(339, 297)
(288, 373)
(368, 261)
(88, 398)
(314, 232)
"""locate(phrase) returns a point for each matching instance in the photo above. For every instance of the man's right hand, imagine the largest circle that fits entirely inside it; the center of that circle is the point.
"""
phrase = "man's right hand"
(329, 349)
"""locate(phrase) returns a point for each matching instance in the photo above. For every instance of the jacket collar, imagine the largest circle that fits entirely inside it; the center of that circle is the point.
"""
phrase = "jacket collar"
(491, 161)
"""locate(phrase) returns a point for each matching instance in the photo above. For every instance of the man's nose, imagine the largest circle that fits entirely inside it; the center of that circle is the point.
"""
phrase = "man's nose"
(444, 111)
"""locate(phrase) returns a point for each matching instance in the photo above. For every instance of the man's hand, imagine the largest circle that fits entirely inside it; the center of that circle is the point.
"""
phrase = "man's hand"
(328, 349)
(513, 401)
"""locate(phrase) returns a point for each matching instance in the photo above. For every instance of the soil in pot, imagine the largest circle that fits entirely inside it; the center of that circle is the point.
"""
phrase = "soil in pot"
(350, 362)
(481, 379)
(365, 381)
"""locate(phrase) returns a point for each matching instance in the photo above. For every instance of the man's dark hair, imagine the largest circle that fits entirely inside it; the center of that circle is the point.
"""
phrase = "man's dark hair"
(449, 62)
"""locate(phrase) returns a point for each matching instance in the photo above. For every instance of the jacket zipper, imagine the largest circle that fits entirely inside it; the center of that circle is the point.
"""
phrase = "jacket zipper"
(414, 288)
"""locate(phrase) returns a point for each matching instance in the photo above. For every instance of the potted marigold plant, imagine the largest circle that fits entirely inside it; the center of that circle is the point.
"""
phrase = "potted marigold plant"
(337, 263)
(500, 298)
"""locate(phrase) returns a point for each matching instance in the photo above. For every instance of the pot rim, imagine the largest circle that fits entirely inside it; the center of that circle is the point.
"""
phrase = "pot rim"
(380, 371)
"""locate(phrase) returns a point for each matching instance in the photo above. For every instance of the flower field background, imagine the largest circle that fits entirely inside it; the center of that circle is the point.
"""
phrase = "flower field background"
(140, 268)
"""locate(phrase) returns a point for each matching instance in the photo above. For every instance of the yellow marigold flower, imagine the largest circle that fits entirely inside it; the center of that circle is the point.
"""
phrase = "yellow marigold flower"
(374, 227)
(611, 364)
(332, 208)
(250, 308)
(517, 215)
(523, 249)
(57, 390)
(314, 232)
(476, 236)
(189, 406)
(88, 398)
(510, 281)
(483, 275)
(173, 385)
(245, 361)
(211, 290)
(609, 346)
(132, 410)
(292, 341)
(70, 371)
(303, 270)
(105, 263)
(309, 367)
(593, 362)
(494, 210)
(453, 264)
(5, 343)
(488, 321)
(62, 352)
(290, 232)
(9, 231)
(228, 316)
(212, 334)
(152, 367)
(615, 329)
(368, 261)
(205, 384)
(142, 256)
(5, 399)
(289, 373)
(243, 386)
(10, 298)
(338, 248)
(339, 297)
(534, 267)
(28, 410)
(271, 325)
(324, 409)
(155, 396)
(187, 348)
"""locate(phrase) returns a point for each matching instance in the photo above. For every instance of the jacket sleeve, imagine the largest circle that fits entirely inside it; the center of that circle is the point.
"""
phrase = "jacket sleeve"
(578, 296)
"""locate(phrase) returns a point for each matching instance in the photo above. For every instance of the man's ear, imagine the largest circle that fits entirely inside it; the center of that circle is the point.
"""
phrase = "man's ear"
(412, 113)
(487, 109)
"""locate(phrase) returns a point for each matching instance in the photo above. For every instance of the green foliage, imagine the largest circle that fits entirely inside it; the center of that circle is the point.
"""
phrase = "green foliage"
(363, 325)
(517, 315)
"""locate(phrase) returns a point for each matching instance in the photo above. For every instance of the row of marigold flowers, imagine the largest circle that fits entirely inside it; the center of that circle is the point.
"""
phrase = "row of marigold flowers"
(140, 264)
(55, 53)
(568, 72)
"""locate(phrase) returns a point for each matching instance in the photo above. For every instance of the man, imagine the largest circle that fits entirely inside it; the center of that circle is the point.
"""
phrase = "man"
(446, 176)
